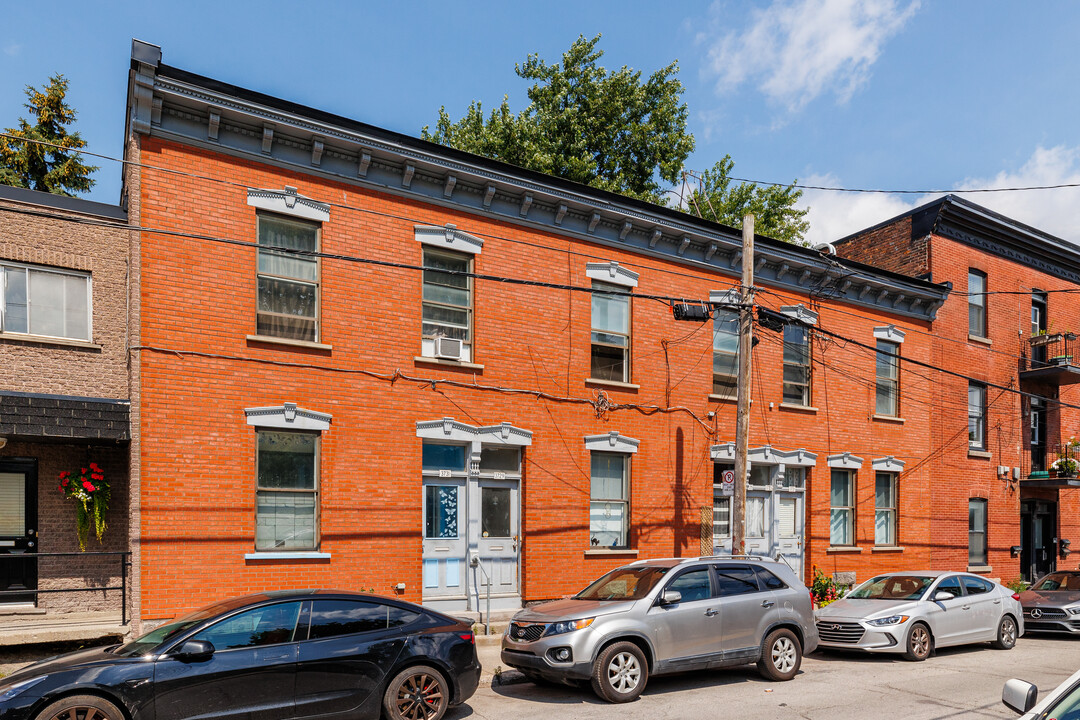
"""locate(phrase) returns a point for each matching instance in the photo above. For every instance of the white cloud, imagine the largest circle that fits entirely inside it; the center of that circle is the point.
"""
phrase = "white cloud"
(12, 49)
(834, 215)
(795, 50)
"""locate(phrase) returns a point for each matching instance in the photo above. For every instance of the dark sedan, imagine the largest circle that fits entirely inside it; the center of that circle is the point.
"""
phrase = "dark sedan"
(1052, 604)
(270, 656)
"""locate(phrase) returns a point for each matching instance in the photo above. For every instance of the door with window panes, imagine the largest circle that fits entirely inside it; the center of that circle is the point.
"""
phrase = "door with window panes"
(788, 529)
(445, 478)
(759, 510)
(495, 503)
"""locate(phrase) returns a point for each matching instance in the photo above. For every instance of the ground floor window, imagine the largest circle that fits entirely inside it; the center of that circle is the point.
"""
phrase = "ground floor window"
(842, 512)
(609, 506)
(977, 532)
(287, 494)
(885, 509)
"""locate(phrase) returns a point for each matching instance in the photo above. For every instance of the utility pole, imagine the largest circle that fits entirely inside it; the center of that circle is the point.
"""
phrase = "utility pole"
(742, 422)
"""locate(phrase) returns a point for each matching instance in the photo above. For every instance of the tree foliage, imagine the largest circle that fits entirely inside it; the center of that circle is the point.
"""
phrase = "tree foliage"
(717, 198)
(610, 130)
(42, 167)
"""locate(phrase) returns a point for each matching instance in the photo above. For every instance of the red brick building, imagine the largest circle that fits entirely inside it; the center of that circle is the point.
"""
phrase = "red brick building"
(367, 361)
(1009, 325)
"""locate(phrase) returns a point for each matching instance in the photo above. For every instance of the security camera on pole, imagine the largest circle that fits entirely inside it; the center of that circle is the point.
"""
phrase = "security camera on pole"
(742, 422)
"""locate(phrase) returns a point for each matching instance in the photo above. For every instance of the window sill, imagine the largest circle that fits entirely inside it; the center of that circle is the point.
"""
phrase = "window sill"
(614, 384)
(981, 454)
(886, 548)
(843, 549)
(980, 340)
(608, 552)
(888, 418)
(302, 555)
(270, 340)
(46, 340)
(447, 363)
(798, 408)
(980, 568)
(725, 399)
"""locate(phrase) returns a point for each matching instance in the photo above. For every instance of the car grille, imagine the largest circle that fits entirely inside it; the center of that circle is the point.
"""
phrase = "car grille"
(527, 632)
(1047, 613)
(849, 633)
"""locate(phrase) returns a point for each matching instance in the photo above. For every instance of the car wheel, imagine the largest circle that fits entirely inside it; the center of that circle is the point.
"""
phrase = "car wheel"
(81, 707)
(781, 655)
(416, 693)
(620, 673)
(920, 643)
(1006, 636)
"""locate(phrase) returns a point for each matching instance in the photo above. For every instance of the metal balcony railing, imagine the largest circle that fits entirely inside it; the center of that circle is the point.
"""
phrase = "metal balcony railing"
(71, 571)
(1060, 460)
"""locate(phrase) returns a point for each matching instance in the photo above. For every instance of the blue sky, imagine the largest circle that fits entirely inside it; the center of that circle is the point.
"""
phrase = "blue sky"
(898, 94)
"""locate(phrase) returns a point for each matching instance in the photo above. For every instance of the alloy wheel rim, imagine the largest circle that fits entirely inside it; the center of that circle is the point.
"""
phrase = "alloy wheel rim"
(1008, 631)
(783, 654)
(920, 642)
(81, 712)
(624, 672)
(419, 697)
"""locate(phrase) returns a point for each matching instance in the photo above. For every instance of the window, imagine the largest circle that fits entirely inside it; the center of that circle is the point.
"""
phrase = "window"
(330, 618)
(726, 354)
(950, 584)
(842, 513)
(610, 333)
(755, 517)
(976, 586)
(885, 509)
(288, 281)
(797, 364)
(977, 416)
(692, 585)
(977, 532)
(609, 506)
(721, 515)
(794, 478)
(447, 304)
(287, 495)
(976, 303)
(267, 625)
(50, 303)
(735, 580)
(769, 581)
(888, 379)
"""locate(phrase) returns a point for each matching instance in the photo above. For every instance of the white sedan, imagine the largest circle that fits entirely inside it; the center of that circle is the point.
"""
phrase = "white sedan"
(1063, 703)
(914, 612)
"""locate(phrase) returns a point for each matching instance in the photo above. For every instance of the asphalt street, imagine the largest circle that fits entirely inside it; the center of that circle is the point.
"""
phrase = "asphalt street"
(954, 683)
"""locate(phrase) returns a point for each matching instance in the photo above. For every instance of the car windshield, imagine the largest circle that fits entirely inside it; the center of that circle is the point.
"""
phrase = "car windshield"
(1058, 581)
(892, 587)
(166, 631)
(628, 583)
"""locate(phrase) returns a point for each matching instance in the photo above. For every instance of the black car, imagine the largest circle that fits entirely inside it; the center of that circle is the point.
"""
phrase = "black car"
(270, 656)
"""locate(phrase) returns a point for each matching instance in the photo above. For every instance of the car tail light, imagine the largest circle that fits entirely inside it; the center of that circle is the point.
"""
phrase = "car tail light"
(1016, 596)
(469, 637)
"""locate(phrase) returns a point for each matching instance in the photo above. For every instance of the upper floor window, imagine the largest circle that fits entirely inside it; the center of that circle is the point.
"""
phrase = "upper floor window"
(45, 302)
(448, 304)
(797, 364)
(288, 279)
(610, 333)
(977, 303)
(726, 353)
(977, 416)
(888, 378)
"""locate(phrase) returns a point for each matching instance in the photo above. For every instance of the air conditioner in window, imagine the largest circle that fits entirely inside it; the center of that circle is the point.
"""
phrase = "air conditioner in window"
(448, 348)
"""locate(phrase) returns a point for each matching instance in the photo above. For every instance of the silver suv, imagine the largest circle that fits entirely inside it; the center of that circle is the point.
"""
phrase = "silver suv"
(654, 617)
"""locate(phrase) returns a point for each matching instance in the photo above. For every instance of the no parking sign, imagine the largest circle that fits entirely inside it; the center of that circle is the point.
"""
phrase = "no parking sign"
(727, 481)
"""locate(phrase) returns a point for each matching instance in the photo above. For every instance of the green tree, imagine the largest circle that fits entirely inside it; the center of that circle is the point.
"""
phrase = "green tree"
(610, 130)
(717, 198)
(44, 167)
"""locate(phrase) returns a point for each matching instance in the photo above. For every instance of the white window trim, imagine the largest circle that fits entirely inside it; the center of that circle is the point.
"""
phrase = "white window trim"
(448, 237)
(287, 417)
(613, 442)
(612, 273)
(57, 271)
(891, 333)
(887, 464)
(288, 202)
(801, 313)
(845, 461)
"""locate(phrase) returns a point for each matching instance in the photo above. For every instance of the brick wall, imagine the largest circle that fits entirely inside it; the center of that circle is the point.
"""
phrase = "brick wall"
(891, 246)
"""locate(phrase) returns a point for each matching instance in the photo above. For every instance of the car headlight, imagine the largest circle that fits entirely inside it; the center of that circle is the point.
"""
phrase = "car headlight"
(1074, 610)
(19, 687)
(568, 626)
(891, 620)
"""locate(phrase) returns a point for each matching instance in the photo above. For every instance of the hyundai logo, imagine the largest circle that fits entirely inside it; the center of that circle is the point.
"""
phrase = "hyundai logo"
(1036, 613)
(836, 627)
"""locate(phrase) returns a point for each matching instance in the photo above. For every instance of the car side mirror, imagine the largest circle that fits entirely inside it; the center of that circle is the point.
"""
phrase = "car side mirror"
(194, 650)
(670, 597)
(943, 595)
(1019, 696)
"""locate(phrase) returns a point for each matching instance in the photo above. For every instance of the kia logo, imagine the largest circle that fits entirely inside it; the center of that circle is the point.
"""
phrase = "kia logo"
(1036, 613)
(521, 633)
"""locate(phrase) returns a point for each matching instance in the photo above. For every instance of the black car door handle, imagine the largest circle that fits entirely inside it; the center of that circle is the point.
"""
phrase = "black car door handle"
(710, 612)
(767, 603)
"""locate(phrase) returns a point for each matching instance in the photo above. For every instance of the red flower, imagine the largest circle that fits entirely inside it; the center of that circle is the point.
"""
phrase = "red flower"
(64, 474)
(94, 467)
(84, 471)
(97, 476)
(64, 483)
(87, 486)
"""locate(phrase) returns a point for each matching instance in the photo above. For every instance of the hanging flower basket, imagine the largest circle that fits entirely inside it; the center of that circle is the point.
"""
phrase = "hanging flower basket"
(90, 492)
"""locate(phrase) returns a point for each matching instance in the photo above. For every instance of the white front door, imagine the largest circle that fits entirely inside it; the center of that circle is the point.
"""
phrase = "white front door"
(497, 544)
(759, 523)
(444, 538)
(788, 545)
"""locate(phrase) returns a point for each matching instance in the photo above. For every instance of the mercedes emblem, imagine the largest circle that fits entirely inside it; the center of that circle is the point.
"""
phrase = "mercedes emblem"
(1036, 613)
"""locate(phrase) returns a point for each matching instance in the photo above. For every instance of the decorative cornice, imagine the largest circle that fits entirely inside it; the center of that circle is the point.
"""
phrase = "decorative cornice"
(765, 455)
(801, 313)
(611, 442)
(452, 430)
(611, 272)
(890, 333)
(287, 202)
(287, 416)
(845, 461)
(449, 237)
(887, 464)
